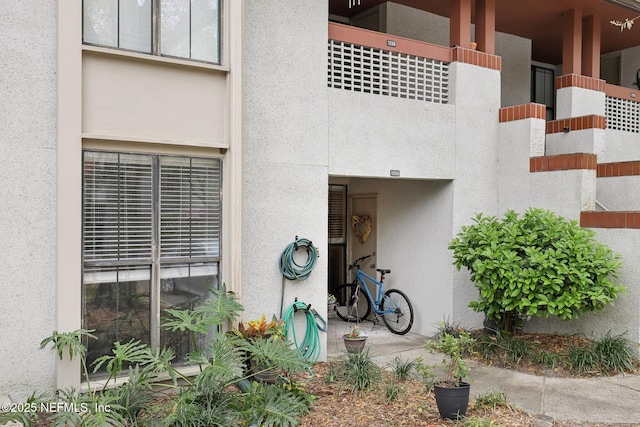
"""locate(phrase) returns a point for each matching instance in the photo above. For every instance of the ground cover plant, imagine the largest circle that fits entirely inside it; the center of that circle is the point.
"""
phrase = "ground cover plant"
(350, 390)
(537, 264)
(221, 394)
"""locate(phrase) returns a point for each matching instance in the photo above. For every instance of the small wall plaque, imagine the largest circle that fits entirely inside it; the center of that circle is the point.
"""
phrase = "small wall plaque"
(392, 43)
(394, 172)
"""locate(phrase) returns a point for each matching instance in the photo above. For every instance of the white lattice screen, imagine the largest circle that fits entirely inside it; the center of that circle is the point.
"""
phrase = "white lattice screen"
(623, 114)
(377, 71)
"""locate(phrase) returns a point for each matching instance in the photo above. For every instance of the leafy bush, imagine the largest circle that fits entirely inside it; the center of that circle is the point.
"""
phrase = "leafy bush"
(454, 348)
(536, 265)
(219, 395)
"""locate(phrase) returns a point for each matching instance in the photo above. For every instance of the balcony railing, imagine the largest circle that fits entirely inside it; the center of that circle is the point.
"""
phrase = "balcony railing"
(359, 62)
(622, 110)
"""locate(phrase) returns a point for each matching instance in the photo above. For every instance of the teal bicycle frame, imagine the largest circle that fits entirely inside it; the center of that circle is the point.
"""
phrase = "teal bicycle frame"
(392, 305)
(361, 277)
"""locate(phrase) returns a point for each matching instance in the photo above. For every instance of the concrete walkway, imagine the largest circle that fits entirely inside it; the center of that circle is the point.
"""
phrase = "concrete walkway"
(611, 400)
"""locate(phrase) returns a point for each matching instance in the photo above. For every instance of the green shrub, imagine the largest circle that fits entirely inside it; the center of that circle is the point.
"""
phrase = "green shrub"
(545, 358)
(516, 350)
(536, 265)
(358, 371)
(613, 353)
(402, 369)
(212, 397)
(581, 359)
(492, 400)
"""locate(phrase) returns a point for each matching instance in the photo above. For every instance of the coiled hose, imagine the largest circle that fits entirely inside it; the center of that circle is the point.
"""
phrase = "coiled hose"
(289, 268)
(309, 348)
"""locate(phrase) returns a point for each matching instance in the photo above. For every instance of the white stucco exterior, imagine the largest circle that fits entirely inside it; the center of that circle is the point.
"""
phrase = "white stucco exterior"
(576, 102)
(28, 209)
(282, 135)
(285, 147)
(577, 141)
(620, 146)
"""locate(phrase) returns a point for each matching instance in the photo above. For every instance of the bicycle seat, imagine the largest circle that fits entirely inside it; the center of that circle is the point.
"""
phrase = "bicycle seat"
(383, 271)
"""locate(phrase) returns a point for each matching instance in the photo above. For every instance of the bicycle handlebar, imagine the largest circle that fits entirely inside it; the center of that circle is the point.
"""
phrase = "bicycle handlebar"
(357, 262)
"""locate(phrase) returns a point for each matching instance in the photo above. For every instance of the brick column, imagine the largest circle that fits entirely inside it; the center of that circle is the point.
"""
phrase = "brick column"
(486, 25)
(572, 42)
(460, 23)
(591, 35)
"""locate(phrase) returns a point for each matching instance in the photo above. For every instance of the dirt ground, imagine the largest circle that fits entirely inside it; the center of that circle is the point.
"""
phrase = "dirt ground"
(415, 406)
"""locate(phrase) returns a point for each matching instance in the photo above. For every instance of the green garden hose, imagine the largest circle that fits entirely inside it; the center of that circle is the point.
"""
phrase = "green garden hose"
(309, 348)
(289, 268)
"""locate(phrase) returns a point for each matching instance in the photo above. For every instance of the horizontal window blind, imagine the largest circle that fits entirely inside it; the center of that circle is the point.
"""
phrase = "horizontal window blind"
(189, 207)
(337, 212)
(117, 207)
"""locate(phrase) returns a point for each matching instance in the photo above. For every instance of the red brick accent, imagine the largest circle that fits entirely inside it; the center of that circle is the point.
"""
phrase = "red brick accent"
(521, 112)
(563, 162)
(625, 219)
(585, 82)
(607, 170)
(475, 57)
(577, 123)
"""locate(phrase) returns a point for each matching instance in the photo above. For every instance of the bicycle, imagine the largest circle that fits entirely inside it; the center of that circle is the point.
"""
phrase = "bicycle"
(393, 305)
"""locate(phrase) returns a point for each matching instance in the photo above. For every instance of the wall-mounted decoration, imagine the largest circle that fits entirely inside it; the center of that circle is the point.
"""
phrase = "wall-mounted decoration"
(361, 225)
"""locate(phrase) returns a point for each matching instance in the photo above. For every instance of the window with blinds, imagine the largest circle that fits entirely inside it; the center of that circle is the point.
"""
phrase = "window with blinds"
(190, 207)
(151, 242)
(337, 213)
(117, 221)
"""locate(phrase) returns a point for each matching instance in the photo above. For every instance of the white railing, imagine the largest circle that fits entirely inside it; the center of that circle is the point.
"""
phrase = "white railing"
(382, 72)
(622, 114)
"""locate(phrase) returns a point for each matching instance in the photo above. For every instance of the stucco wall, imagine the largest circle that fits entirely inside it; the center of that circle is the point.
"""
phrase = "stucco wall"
(413, 137)
(575, 102)
(577, 141)
(413, 231)
(27, 211)
(148, 99)
(518, 141)
(476, 181)
(619, 193)
(620, 146)
(285, 180)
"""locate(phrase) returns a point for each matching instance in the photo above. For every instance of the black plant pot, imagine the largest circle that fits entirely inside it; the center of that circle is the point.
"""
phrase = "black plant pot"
(452, 401)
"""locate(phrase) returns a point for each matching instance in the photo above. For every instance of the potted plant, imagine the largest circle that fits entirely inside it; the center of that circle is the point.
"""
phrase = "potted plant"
(355, 339)
(257, 334)
(260, 328)
(332, 302)
(452, 392)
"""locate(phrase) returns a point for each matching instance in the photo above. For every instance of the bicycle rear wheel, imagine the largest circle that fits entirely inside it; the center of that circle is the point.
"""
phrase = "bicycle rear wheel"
(352, 308)
(401, 320)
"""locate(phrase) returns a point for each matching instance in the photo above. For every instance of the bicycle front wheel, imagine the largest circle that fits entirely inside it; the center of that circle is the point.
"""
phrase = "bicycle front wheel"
(351, 307)
(401, 320)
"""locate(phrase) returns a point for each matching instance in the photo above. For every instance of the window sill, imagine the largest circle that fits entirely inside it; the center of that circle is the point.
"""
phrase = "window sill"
(153, 58)
(90, 139)
(187, 371)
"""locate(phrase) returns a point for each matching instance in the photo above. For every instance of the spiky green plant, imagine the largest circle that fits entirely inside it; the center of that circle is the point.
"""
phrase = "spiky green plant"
(358, 371)
(402, 369)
